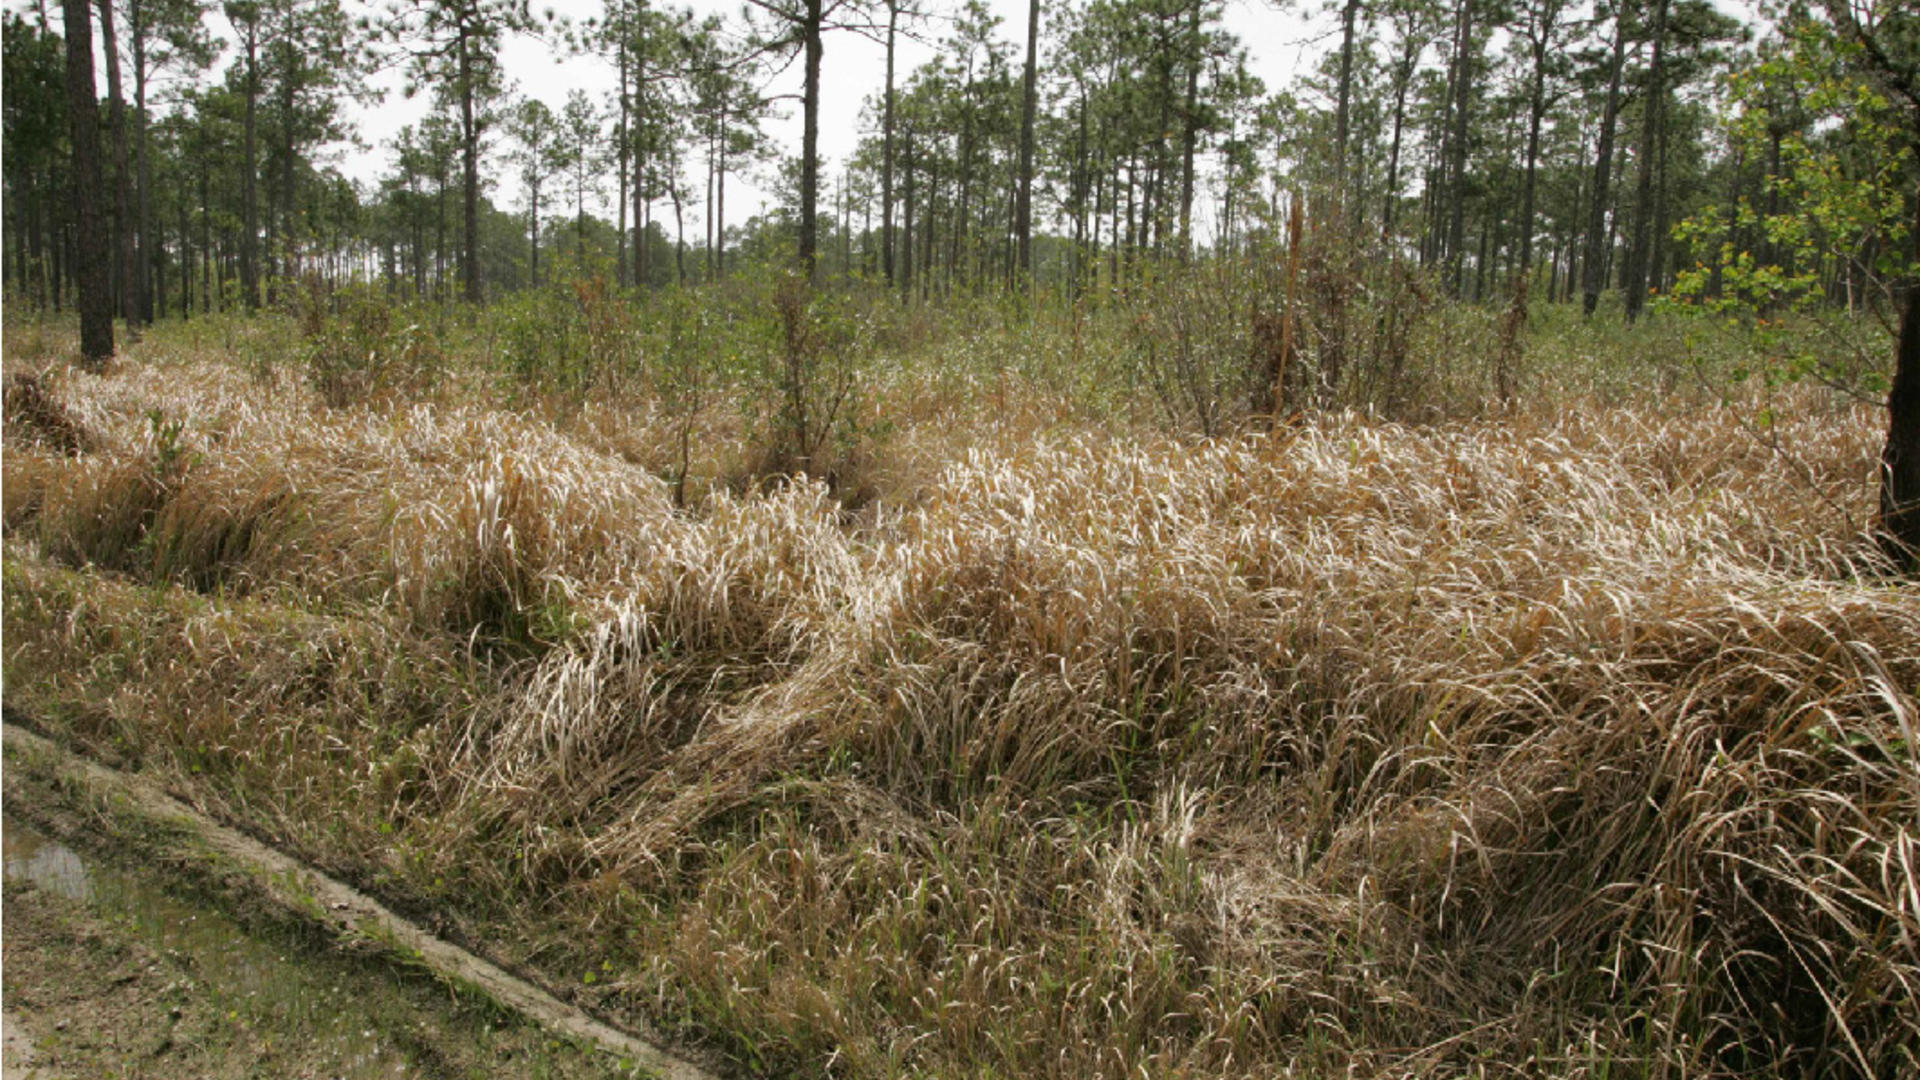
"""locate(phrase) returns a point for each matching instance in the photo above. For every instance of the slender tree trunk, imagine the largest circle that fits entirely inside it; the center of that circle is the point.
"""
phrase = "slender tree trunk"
(679, 231)
(713, 160)
(1542, 31)
(1593, 270)
(533, 238)
(186, 262)
(149, 251)
(126, 273)
(623, 147)
(207, 257)
(1638, 258)
(931, 214)
(94, 277)
(288, 204)
(250, 172)
(886, 152)
(1190, 127)
(959, 231)
(1403, 79)
(37, 244)
(642, 253)
(1457, 174)
(1657, 250)
(810, 27)
(906, 228)
(470, 169)
(1343, 94)
(1029, 104)
(63, 264)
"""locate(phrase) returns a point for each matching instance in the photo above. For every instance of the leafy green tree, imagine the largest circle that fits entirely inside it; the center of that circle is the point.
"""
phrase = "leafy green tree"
(1836, 221)
(1880, 42)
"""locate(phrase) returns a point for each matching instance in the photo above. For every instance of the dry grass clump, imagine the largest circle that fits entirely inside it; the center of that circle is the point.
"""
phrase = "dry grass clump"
(1564, 745)
(35, 416)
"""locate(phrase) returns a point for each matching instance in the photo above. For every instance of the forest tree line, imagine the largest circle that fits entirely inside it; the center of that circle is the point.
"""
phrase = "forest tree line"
(1612, 145)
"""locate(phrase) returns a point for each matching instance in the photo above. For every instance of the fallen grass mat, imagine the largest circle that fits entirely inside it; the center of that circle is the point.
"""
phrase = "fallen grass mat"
(144, 824)
(1576, 743)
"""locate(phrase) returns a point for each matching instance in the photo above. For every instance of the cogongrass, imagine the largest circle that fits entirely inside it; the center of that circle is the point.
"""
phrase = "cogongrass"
(1578, 741)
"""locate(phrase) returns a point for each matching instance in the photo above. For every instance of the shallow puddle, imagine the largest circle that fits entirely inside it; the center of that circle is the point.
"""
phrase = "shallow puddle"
(243, 977)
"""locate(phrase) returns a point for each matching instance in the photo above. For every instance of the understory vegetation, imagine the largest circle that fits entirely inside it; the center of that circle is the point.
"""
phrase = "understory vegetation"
(860, 689)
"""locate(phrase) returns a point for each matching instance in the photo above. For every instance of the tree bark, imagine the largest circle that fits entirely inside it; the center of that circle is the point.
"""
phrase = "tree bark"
(83, 117)
(906, 246)
(250, 193)
(1542, 37)
(1190, 129)
(1344, 94)
(642, 251)
(1403, 79)
(125, 273)
(1593, 261)
(1638, 260)
(470, 170)
(143, 174)
(886, 152)
(1900, 457)
(623, 146)
(1456, 180)
(1029, 99)
(810, 28)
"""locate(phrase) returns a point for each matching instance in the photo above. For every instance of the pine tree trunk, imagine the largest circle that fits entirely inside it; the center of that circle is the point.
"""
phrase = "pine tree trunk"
(642, 255)
(1403, 80)
(125, 272)
(250, 171)
(906, 228)
(622, 147)
(1639, 257)
(143, 174)
(810, 28)
(1536, 110)
(1457, 174)
(1190, 129)
(886, 153)
(1343, 94)
(720, 214)
(1029, 98)
(1594, 261)
(470, 172)
(93, 255)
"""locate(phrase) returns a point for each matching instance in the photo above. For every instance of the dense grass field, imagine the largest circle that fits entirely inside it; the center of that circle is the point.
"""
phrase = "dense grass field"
(1032, 732)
